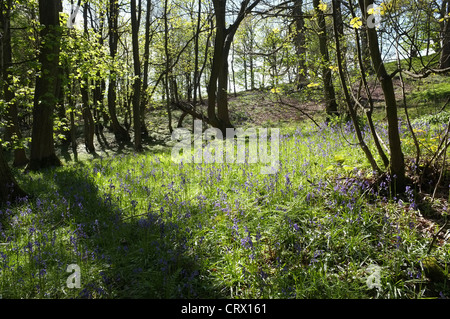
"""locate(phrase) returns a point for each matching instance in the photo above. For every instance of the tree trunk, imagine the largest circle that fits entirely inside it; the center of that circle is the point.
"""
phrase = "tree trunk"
(299, 42)
(362, 69)
(396, 161)
(219, 11)
(100, 85)
(120, 133)
(60, 106)
(205, 61)
(218, 82)
(89, 125)
(168, 70)
(444, 61)
(73, 133)
(137, 79)
(42, 145)
(99, 108)
(365, 52)
(12, 129)
(223, 113)
(196, 80)
(144, 98)
(329, 93)
(351, 106)
(9, 188)
(105, 115)
(73, 136)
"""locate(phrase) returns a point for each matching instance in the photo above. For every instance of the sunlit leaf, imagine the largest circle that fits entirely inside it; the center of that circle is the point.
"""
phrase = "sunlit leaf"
(322, 6)
(356, 22)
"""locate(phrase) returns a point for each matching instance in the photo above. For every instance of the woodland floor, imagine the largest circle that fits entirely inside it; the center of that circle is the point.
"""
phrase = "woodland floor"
(249, 108)
(266, 109)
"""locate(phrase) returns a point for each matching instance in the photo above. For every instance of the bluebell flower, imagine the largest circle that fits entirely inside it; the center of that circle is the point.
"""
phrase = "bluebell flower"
(246, 242)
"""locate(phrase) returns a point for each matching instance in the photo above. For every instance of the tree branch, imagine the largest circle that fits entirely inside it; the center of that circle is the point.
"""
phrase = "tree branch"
(280, 101)
(420, 75)
(188, 108)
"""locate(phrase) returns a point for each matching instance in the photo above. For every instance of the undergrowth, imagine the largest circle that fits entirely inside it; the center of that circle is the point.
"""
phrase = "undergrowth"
(143, 226)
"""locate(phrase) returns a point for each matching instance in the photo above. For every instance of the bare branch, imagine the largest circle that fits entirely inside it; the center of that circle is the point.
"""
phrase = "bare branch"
(420, 75)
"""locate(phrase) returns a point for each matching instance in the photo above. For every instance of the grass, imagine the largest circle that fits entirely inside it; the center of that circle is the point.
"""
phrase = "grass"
(430, 96)
(415, 64)
(142, 226)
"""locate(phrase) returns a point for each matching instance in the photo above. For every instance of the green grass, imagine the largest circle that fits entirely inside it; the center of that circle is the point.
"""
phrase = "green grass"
(415, 64)
(426, 96)
(142, 226)
(431, 93)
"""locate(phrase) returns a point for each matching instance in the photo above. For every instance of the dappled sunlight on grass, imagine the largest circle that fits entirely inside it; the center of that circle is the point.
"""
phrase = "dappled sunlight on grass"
(143, 226)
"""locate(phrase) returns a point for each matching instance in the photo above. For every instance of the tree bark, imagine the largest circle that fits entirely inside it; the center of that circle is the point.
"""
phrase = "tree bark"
(299, 42)
(9, 188)
(196, 80)
(219, 12)
(100, 85)
(137, 79)
(444, 61)
(363, 64)
(351, 107)
(144, 98)
(168, 71)
(42, 144)
(120, 133)
(88, 119)
(329, 92)
(73, 135)
(396, 161)
(218, 113)
(365, 52)
(12, 128)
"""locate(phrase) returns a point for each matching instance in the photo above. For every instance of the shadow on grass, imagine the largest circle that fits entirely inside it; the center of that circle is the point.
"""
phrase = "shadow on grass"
(107, 146)
(141, 256)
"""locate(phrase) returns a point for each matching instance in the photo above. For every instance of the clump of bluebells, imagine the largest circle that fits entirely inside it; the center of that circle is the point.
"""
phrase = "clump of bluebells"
(142, 226)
